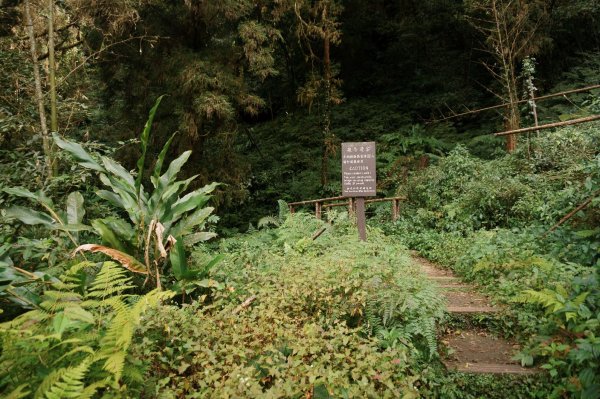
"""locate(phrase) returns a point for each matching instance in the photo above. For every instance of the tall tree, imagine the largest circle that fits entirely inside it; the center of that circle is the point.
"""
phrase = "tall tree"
(319, 26)
(52, 80)
(38, 88)
(513, 30)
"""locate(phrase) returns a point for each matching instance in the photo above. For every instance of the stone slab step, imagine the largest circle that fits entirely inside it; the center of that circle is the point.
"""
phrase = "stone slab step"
(489, 368)
(462, 287)
(446, 279)
(472, 309)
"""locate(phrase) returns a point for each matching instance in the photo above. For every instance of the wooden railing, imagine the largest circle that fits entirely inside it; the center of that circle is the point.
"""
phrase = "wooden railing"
(331, 202)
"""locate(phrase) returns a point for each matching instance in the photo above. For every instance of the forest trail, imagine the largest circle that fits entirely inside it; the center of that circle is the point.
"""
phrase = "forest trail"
(470, 350)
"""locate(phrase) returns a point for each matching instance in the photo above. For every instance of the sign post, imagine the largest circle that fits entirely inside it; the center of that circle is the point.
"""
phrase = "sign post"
(359, 178)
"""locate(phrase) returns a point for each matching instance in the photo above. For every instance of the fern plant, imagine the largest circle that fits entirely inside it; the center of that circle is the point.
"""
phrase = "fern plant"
(394, 313)
(76, 341)
(161, 223)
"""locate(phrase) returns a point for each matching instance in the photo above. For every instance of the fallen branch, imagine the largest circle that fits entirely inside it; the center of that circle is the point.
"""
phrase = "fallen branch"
(550, 125)
(572, 213)
(318, 233)
(244, 304)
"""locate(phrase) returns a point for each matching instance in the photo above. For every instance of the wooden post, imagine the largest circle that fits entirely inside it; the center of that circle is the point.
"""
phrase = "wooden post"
(292, 210)
(395, 209)
(361, 218)
(351, 206)
(318, 207)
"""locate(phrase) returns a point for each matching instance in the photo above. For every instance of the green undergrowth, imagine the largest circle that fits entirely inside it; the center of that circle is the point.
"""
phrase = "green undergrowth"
(456, 385)
(296, 317)
(490, 221)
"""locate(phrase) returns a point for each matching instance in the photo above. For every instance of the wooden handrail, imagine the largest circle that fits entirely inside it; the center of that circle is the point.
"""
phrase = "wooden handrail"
(323, 200)
(309, 202)
(544, 97)
(320, 204)
(550, 125)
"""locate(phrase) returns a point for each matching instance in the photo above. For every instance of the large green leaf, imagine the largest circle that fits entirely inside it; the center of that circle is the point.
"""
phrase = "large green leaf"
(186, 225)
(22, 192)
(179, 261)
(144, 138)
(111, 197)
(213, 262)
(81, 155)
(119, 171)
(29, 216)
(7, 274)
(75, 209)
(175, 166)
(190, 202)
(135, 209)
(195, 199)
(108, 235)
(161, 157)
(195, 238)
(164, 182)
(163, 206)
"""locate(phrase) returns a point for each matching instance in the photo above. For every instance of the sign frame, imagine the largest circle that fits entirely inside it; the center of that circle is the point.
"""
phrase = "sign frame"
(359, 178)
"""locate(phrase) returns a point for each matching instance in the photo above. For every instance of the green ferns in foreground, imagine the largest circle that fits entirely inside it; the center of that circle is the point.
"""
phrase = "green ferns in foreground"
(316, 320)
(75, 345)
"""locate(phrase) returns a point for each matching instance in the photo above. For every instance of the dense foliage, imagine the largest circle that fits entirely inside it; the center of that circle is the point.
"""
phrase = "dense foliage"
(330, 315)
(126, 271)
(493, 223)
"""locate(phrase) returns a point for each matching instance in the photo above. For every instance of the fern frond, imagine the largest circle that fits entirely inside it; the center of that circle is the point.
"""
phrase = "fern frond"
(31, 317)
(115, 363)
(55, 301)
(48, 382)
(284, 210)
(89, 391)
(69, 384)
(428, 332)
(120, 332)
(110, 280)
(18, 392)
(268, 220)
(547, 298)
(85, 348)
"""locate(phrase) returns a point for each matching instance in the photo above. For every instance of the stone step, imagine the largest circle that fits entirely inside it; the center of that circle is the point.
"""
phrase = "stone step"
(446, 279)
(460, 287)
(472, 309)
(489, 368)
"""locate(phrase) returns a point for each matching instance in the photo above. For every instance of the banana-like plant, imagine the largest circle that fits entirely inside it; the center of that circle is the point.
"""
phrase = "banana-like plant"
(160, 222)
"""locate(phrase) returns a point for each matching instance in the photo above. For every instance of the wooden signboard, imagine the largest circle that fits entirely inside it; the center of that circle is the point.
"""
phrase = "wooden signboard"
(359, 178)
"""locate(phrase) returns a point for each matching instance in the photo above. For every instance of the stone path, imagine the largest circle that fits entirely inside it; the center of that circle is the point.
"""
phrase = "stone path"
(471, 350)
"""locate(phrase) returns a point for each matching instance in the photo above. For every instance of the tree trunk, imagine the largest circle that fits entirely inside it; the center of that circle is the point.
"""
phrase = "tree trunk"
(327, 107)
(38, 89)
(513, 117)
(52, 78)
